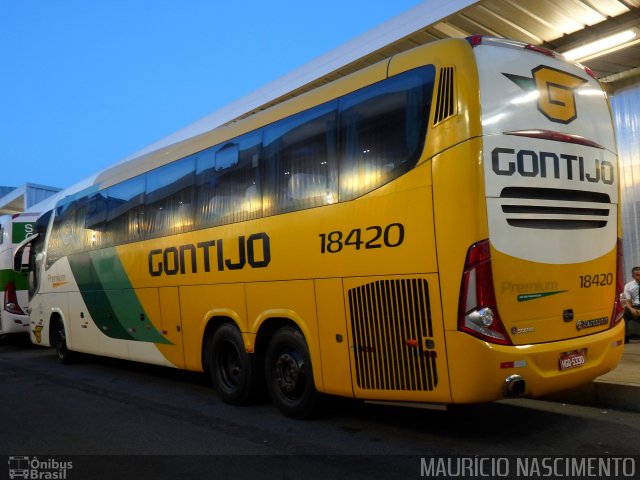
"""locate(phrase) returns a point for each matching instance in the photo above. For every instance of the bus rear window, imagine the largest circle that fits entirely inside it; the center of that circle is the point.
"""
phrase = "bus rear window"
(382, 130)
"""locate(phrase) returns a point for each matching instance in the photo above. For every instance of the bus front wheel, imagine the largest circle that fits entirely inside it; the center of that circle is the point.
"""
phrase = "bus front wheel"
(289, 375)
(65, 355)
(233, 371)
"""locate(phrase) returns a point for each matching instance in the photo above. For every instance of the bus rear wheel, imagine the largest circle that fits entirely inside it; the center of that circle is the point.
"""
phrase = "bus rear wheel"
(289, 375)
(233, 371)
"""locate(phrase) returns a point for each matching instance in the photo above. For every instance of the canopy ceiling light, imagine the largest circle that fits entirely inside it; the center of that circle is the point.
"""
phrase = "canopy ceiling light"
(603, 46)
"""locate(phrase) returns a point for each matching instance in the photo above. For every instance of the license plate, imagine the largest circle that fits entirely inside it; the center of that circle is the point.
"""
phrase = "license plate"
(574, 359)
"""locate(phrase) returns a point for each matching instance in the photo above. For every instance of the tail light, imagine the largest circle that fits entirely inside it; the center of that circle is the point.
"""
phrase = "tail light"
(11, 299)
(618, 309)
(477, 310)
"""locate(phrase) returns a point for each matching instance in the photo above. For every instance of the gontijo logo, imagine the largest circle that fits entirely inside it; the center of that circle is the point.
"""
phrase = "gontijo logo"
(556, 99)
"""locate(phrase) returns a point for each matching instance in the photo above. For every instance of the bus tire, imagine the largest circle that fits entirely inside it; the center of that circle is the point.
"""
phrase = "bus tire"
(65, 355)
(289, 374)
(233, 371)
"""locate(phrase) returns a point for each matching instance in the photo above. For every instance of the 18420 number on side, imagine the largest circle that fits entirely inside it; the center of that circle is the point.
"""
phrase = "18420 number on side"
(370, 237)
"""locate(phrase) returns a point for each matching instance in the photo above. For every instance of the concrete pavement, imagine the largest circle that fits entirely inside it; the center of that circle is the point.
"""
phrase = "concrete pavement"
(619, 389)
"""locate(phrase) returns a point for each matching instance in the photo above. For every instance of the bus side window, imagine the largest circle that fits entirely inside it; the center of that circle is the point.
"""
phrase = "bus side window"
(169, 197)
(125, 211)
(300, 160)
(382, 130)
(228, 182)
(95, 221)
(68, 232)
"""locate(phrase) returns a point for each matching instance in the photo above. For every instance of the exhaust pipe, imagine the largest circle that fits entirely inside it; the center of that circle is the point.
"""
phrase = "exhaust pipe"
(514, 386)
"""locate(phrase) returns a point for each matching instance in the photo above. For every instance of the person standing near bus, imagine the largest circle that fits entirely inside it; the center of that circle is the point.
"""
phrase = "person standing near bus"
(631, 302)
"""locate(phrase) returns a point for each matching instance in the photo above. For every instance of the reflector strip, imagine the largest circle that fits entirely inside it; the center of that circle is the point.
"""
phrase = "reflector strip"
(556, 137)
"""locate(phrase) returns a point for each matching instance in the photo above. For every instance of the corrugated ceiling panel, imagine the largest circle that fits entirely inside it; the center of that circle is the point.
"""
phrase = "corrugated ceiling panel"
(504, 26)
(608, 8)
(421, 37)
(461, 22)
(557, 19)
(451, 30)
(622, 61)
(540, 25)
(580, 12)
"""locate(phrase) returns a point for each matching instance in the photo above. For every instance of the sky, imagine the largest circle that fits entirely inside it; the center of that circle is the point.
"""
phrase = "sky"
(84, 84)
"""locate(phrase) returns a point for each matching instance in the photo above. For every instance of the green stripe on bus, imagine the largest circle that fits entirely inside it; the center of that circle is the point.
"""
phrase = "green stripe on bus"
(20, 279)
(95, 298)
(112, 302)
(533, 296)
(131, 315)
(124, 302)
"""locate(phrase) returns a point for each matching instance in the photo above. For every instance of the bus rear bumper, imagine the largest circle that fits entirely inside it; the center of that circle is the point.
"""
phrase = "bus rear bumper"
(11, 323)
(484, 372)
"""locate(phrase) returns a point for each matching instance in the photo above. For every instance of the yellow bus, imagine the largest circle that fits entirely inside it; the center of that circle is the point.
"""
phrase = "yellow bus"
(441, 227)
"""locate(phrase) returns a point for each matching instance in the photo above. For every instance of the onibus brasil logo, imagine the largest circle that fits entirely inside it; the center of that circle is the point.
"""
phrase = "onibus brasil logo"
(38, 469)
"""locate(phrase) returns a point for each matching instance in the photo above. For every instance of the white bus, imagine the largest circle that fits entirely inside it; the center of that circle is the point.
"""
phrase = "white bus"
(13, 285)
